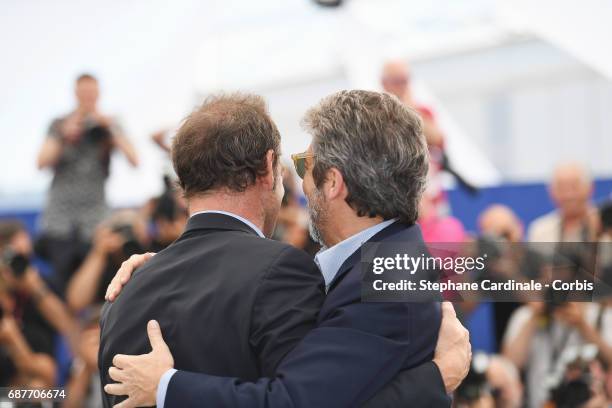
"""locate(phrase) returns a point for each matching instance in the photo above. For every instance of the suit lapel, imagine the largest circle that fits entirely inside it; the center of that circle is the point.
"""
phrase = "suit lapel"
(355, 257)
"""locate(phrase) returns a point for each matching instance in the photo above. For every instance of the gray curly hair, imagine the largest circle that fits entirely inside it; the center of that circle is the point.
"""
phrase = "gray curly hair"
(377, 143)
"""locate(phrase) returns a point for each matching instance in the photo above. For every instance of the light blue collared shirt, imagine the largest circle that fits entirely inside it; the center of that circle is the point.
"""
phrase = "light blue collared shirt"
(329, 261)
(164, 381)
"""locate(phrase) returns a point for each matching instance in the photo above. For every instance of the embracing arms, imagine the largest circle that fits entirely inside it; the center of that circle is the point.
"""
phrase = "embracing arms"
(308, 367)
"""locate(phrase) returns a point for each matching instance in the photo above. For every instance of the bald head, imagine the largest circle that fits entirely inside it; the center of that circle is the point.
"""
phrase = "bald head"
(571, 171)
(571, 188)
(396, 67)
(396, 78)
(500, 221)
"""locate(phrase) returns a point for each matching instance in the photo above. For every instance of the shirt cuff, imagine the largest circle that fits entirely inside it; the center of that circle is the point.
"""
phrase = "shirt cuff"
(162, 387)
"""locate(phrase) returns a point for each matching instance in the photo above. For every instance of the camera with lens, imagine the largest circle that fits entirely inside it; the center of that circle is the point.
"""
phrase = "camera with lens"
(572, 260)
(554, 299)
(94, 132)
(131, 245)
(17, 263)
(571, 385)
(475, 385)
(166, 207)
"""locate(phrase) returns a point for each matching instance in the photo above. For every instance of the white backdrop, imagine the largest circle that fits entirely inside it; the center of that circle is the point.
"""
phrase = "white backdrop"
(156, 59)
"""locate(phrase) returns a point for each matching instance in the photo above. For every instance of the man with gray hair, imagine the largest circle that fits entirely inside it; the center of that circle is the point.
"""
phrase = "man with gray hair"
(363, 176)
(575, 218)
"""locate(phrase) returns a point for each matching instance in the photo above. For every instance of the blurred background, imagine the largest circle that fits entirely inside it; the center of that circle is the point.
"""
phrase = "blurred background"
(516, 97)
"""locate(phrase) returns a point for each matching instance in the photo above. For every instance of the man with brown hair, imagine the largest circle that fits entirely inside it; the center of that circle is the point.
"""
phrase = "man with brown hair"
(236, 307)
(221, 286)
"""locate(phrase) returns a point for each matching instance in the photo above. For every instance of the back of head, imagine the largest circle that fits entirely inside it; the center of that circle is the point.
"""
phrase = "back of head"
(223, 144)
(377, 143)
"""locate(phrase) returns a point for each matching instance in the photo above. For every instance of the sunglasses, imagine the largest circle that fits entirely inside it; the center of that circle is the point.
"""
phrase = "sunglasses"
(299, 161)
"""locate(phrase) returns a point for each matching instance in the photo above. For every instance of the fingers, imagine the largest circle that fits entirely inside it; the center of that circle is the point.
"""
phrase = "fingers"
(117, 374)
(469, 344)
(116, 389)
(111, 292)
(128, 403)
(120, 360)
(466, 339)
(155, 336)
(127, 267)
(448, 310)
(133, 263)
(114, 288)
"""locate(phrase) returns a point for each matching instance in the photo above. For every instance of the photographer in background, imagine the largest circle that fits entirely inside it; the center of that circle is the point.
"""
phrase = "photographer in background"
(501, 239)
(604, 251)
(30, 314)
(492, 382)
(396, 80)
(115, 240)
(78, 149)
(19, 364)
(575, 218)
(292, 223)
(539, 333)
(168, 216)
(605, 219)
(37, 310)
(83, 388)
(15, 253)
(581, 380)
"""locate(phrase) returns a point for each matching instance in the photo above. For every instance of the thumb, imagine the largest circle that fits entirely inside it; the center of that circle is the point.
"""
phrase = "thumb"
(155, 336)
(448, 310)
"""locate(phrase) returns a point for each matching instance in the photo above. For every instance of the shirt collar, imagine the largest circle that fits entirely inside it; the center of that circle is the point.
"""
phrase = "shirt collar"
(331, 259)
(244, 220)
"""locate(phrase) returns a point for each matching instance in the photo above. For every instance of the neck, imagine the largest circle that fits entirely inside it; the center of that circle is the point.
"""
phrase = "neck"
(245, 204)
(407, 98)
(574, 219)
(85, 110)
(347, 226)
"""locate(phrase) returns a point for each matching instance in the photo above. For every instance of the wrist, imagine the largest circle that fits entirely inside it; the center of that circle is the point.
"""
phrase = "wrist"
(39, 293)
(11, 335)
(32, 284)
(438, 370)
(99, 251)
(442, 368)
(162, 386)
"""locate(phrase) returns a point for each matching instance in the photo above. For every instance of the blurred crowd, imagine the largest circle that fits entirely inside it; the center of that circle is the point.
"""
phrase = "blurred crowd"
(52, 285)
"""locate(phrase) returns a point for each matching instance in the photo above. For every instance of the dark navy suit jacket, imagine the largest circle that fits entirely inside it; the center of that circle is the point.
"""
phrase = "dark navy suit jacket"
(353, 352)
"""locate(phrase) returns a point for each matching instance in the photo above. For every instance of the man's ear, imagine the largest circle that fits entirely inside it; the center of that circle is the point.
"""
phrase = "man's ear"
(268, 180)
(334, 186)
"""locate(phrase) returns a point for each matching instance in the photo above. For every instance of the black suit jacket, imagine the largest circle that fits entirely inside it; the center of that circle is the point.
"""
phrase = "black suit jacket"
(353, 352)
(230, 302)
